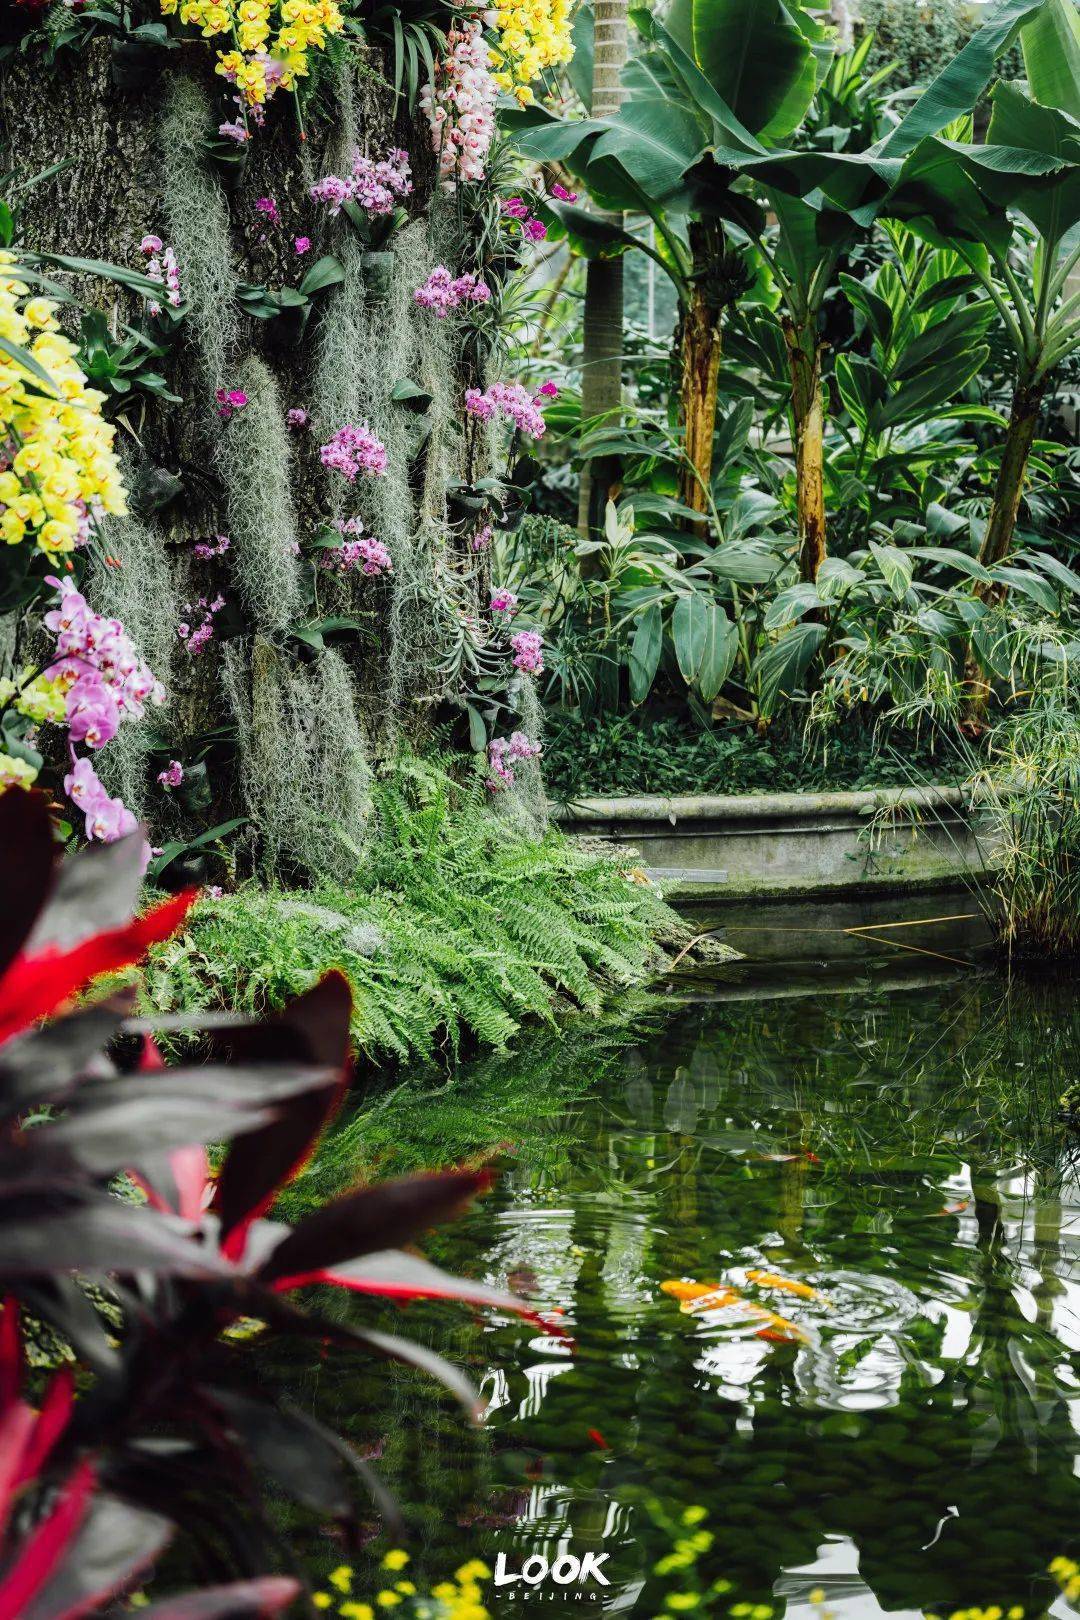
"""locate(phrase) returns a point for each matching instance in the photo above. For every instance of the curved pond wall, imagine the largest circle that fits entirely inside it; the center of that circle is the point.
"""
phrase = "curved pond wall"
(716, 847)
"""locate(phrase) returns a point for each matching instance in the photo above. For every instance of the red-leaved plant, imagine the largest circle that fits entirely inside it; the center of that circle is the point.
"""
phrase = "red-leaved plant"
(92, 1489)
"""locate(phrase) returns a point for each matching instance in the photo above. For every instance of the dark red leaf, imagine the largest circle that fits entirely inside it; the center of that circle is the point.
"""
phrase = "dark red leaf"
(242, 1600)
(105, 1236)
(397, 1275)
(313, 1029)
(380, 1217)
(34, 986)
(51, 1422)
(44, 1548)
(11, 1359)
(29, 853)
(114, 1544)
(95, 890)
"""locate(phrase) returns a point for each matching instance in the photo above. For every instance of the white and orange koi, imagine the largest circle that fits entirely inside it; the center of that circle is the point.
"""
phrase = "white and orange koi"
(786, 1285)
(699, 1299)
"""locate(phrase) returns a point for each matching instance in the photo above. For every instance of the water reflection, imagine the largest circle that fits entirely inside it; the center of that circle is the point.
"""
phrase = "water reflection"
(898, 1152)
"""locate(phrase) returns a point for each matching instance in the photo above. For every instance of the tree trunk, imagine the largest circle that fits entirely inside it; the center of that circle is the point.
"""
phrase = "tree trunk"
(700, 346)
(602, 337)
(1009, 489)
(808, 413)
(997, 542)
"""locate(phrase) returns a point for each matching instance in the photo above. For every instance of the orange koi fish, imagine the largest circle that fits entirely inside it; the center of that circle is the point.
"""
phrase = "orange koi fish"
(697, 1298)
(785, 1285)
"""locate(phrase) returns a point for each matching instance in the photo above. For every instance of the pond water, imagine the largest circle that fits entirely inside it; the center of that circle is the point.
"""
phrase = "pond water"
(910, 1443)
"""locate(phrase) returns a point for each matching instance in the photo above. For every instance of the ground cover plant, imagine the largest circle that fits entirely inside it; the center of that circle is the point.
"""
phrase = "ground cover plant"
(461, 926)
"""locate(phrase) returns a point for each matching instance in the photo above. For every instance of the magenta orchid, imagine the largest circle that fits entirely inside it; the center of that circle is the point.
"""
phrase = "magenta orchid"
(442, 292)
(354, 450)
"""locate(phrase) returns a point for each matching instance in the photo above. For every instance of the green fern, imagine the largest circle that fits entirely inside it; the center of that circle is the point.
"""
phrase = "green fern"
(457, 929)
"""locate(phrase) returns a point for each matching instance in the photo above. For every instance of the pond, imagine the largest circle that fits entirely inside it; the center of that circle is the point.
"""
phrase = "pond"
(899, 1435)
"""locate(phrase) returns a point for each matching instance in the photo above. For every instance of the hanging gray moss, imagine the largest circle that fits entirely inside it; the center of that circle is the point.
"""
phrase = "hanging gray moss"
(141, 592)
(253, 456)
(197, 221)
(303, 759)
(526, 801)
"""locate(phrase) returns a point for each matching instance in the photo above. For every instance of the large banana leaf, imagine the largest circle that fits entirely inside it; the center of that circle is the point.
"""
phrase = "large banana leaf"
(961, 82)
(1051, 45)
(756, 54)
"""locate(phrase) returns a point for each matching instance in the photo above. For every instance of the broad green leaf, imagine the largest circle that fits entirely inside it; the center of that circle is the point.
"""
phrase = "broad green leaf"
(719, 653)
(688, 630)
(781, 668)
(895, 567)
(948, 557)
(645, 652)
(1051, 46)
(791, 604)
(580, 68)
(325, 272)
(757, 59)
(1049, 564)
(1033, 586)
(962, 81)
(654, 142)
(921, 398)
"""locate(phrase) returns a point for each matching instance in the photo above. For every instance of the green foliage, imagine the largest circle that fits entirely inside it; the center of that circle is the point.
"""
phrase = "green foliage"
(457, 928)
(637, 753)
(1029, 794)
(920, 39)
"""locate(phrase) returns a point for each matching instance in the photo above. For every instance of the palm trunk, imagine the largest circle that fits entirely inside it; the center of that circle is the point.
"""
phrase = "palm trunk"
(997, 542)
(700, 345)
(602, 336)
(808, 413)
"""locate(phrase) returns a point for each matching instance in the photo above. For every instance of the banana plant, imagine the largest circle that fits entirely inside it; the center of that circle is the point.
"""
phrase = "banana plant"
(982, 200)
(724, 73)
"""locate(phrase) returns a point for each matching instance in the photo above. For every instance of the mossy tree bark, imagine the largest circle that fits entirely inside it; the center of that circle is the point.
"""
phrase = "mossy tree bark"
(126, 174)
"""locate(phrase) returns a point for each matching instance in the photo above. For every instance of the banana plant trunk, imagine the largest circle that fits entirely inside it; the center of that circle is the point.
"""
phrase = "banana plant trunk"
(808, 413)
(1009, 489)
(997, 542)
(700, 346)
